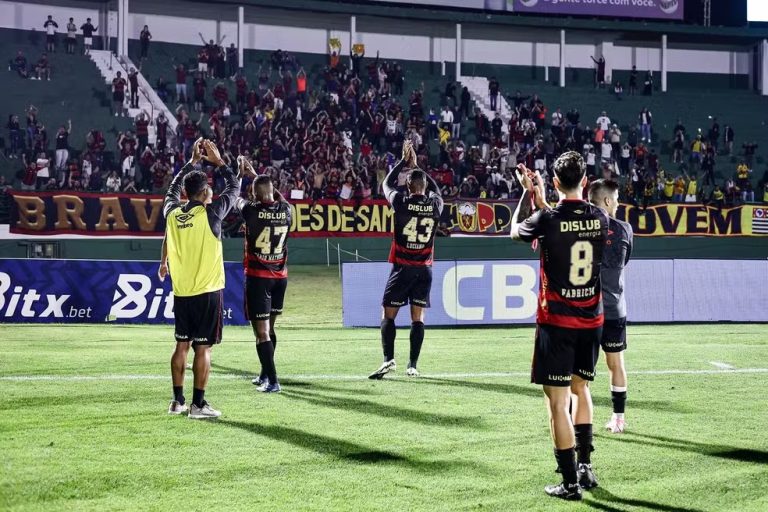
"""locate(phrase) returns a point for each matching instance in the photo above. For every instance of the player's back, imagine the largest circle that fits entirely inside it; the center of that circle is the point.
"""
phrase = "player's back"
(266, 230)
(571, 237)
(618, 249)
(415, 224)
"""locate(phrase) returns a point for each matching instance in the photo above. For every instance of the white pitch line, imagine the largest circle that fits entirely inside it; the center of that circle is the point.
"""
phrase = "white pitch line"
(330, 377)
(722, 366)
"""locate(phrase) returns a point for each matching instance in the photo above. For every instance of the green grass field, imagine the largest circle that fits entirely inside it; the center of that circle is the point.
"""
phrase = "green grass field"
(84, 424)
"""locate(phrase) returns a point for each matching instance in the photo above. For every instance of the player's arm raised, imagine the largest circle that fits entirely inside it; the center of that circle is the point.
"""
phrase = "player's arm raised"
(173, 196)
(525, 225)
(224, 203)
(390, 182)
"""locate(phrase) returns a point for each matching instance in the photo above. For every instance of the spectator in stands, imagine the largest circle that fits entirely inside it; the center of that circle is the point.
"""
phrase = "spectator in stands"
(71, 40)
(118, 94)
(161, 131)
(679, 189)
(645, 120)
(765, 192)
(28, 176)
(633, 81)
(43, 170)
(144, 38)
(718, 197)
(19, 64)
(749, 152)
(15, 136)
(728, 138)
(713, 135)
(493, 91)
(599, 71)
(43, 67)
(691, 189)
(648, 84)
(708, 168)
(466, 102)
(450, 93)
(88, 30)
(50, 27)
(133, 81)
(199, 86)
(232, 61)
(618, 90)
(678, 144)
(113, 182)
(62, 146)
(141, 122)
(603, 122)
(130, 187)
(181, 84)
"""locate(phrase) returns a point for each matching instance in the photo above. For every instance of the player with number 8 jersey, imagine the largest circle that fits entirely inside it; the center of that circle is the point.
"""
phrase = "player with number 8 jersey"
(571, 237)
(416, 215)
(267, 221)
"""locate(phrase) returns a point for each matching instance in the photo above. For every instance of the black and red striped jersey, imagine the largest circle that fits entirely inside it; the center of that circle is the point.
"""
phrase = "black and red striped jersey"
(266, 234)
(416, 218)
(571, 239)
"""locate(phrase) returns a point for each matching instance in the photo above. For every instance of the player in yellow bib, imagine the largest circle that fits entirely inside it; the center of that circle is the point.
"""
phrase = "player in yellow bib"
(196, 265)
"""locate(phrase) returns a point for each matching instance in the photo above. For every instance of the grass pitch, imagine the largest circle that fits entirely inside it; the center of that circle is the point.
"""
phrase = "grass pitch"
(84, 425)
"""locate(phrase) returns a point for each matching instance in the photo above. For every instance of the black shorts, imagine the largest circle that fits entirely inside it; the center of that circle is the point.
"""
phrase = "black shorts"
(560, 353)
(118, 96)
(614, 337)
(50, 38)
(199, 318)
(264, 297)
(408, 284)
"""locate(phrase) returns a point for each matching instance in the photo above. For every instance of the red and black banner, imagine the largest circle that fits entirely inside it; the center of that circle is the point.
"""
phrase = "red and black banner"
(63, 213)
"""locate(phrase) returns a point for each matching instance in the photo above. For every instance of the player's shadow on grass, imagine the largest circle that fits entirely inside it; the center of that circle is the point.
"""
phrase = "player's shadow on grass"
(386, 411)
(609, 501)
(340, 449)
(711, 450)
(288, 383)
(535, 392)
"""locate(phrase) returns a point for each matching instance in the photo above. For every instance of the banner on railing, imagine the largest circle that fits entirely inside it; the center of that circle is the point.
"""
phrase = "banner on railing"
(83, 291)
(62, 213)
(505, 292)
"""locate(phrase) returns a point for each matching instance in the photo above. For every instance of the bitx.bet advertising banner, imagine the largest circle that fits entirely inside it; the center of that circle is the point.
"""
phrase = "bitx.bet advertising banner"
(83, 291)
(646, 9)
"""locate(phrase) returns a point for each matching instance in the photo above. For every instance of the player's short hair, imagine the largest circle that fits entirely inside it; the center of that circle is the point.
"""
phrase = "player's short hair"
(194, 183)
(262, 180)
(601, 188)
(570, 169)
(418, 178)
(260, 183)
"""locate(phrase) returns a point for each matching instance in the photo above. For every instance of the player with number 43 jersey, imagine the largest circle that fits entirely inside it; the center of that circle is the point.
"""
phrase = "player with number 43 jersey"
(416, 216)
(267, 221)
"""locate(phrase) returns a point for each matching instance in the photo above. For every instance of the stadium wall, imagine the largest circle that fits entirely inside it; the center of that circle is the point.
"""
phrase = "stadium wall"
(308, 32)
(319, 251)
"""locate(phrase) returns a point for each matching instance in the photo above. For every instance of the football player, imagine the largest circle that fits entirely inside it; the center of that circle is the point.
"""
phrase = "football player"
(267, 221)
(618, 249)
(416, 215)
(569, 318)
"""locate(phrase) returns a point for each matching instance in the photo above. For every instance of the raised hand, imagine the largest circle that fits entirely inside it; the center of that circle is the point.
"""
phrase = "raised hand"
(212, 154)
(539, 191)
(524, 177)
(245, 167)
(197, 154)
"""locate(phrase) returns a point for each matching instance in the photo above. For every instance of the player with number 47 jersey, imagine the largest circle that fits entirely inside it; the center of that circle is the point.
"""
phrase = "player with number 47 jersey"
(267, 221)
(416, 216)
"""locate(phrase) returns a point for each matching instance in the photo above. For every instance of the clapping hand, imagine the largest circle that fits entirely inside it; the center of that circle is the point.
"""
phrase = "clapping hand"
(212, 154)
(245, 167)
(197, 154)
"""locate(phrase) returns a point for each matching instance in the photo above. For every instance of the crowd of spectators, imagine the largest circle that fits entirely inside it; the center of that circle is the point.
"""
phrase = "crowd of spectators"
(334, 134)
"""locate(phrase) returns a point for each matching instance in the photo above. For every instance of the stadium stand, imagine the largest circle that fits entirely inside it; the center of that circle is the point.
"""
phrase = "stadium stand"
(694, 108)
